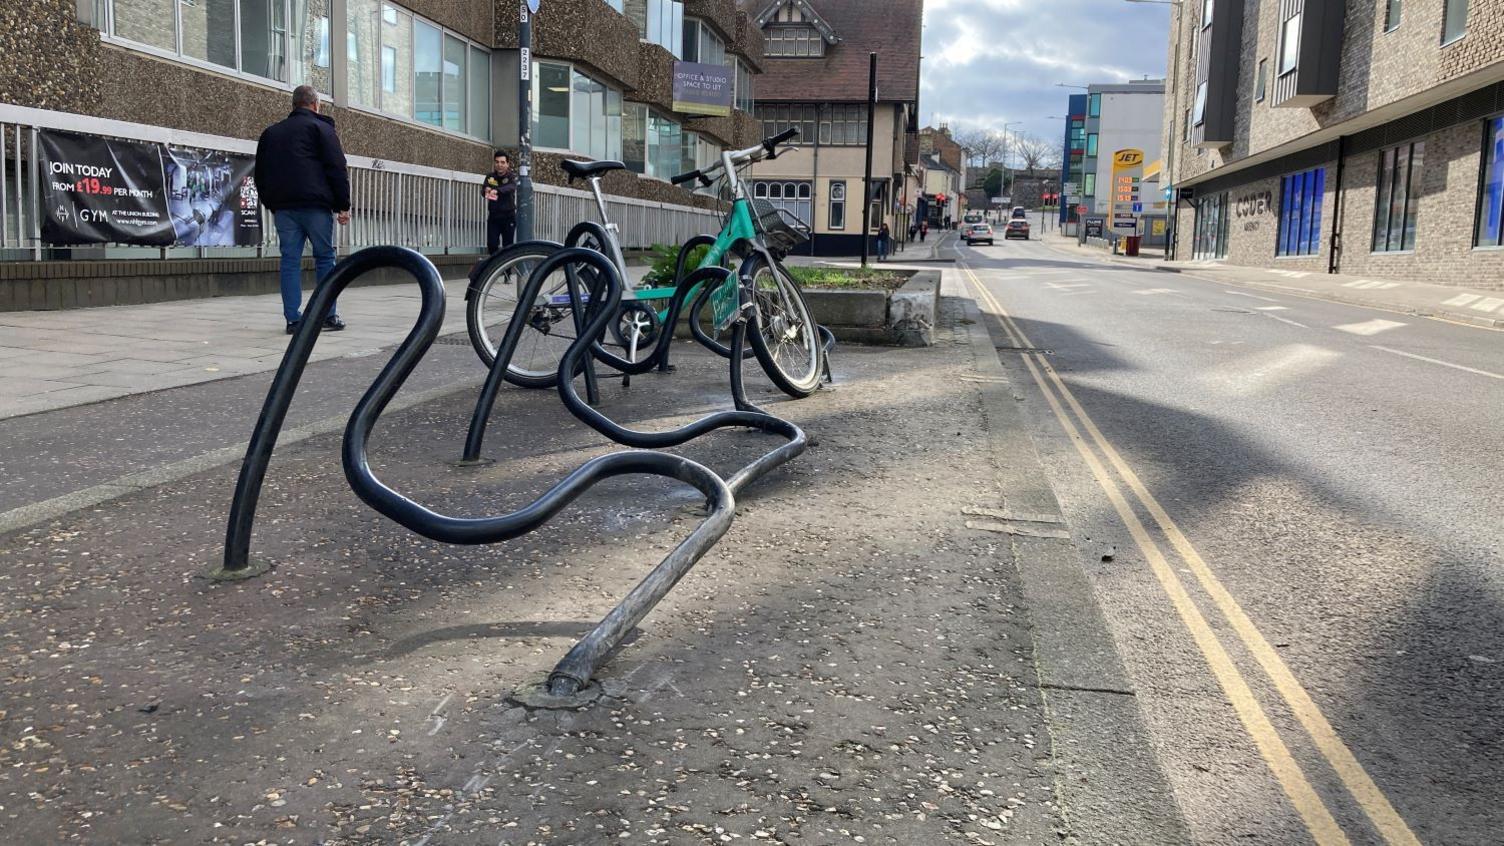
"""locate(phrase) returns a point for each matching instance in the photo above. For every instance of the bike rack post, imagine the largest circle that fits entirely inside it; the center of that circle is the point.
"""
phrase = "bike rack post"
(570, 677)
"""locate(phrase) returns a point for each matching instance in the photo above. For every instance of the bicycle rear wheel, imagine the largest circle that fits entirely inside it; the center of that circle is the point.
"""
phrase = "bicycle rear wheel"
(550, 323)
(783, 334)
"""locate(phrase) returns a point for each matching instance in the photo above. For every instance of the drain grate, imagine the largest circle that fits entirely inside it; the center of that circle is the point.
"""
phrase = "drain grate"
(1233, 310)
(453, 340)
(1039, 350)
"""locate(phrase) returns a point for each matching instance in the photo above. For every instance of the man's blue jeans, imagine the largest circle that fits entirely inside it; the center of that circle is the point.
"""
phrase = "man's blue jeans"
(294, 226)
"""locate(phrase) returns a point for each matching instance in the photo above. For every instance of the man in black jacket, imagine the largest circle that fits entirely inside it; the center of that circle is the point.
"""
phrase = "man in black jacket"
(500, 190)
(301, 177)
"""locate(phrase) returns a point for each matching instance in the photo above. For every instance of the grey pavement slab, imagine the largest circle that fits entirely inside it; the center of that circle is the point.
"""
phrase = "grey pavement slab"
(124, 350)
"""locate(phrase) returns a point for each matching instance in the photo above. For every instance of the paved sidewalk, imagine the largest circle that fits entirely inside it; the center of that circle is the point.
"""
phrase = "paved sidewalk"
(57, 359)
(939, 247)
(1475, 306)
(854, 662)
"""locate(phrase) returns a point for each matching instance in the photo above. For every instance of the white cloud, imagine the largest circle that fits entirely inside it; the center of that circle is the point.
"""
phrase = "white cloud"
(990, 62)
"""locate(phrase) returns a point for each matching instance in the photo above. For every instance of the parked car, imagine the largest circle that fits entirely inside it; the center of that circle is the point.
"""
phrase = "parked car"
(977, 232)
(1017, 228)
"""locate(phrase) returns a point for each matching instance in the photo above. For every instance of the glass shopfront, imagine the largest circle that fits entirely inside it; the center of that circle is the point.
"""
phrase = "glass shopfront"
(1211, 228)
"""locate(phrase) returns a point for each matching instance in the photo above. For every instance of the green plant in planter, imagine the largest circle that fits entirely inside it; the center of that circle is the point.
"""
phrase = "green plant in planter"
(664, 259)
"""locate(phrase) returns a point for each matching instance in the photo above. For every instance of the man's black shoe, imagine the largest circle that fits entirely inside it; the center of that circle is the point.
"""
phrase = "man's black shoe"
(332, 323)
(292, 327)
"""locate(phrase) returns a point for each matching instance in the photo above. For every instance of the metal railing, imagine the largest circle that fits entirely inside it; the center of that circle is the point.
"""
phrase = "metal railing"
(432, 210)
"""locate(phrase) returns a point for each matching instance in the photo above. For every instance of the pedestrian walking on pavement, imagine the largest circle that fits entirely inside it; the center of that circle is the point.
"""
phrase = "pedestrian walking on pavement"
(884, 235)
(301, 177)
(924, 229)
(500, 190)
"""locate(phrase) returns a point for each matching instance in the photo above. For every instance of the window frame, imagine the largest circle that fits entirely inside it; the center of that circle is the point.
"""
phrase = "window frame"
(1302, 202)
(617, 152)
(1261, 85)
(836, 202)
(1393, 15)
(1448, 8)
(288, 37)
(1285, 52)
(1492, 148)
(1198, 108)
(1391, 185)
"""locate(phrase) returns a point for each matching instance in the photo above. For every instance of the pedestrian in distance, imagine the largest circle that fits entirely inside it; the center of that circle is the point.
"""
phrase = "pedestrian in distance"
(500, 190)
(301, 176)
(884, 235)
(924, 229)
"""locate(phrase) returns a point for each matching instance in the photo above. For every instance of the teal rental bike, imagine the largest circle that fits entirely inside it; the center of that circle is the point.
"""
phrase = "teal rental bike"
(783, 337)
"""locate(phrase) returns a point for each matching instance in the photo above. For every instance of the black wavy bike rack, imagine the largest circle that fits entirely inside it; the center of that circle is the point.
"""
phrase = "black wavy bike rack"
(570, 676)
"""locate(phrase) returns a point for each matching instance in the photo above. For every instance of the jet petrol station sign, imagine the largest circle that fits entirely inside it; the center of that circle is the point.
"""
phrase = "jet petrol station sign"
(1127, 178)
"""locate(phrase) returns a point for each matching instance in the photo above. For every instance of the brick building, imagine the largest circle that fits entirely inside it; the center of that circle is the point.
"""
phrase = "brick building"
(1360, 138)
(814, 77)
(421, 91)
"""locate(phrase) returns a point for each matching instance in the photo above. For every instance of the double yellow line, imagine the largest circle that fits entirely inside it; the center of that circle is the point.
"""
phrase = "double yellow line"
(1292, 779)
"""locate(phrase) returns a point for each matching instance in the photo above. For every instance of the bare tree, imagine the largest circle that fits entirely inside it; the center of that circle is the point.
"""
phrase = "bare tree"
(981, 146)
(1034, 153)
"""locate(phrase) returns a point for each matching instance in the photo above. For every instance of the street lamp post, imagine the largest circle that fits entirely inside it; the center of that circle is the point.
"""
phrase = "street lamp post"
(1005, 148)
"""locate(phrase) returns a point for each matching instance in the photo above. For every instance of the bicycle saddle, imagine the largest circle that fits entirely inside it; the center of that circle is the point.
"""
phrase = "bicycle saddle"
(584, 170)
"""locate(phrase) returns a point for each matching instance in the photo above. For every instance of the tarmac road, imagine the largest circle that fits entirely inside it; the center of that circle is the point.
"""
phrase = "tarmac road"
(1289, 512)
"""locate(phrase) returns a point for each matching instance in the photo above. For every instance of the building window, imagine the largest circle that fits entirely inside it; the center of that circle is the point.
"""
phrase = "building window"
(743, 86)
(701, 44)
(665, 147)
(1398, 199)
(793, 197)
(634, 128)
(1199, 117)
(837, 205)
(1185, 131)
(843, 125)
(250, 37)
(1210, 231)
(1091, 144)
(1289, 45)
(1392, 15)
(1454, 21)
(1262, 86)
(410, 68)
(551, 105)
(659, 21)
(792, 41)
(575, 112)
(1089, 185)
(1491, 189)
(1094, 105)
(1301, 197)
(777, 118)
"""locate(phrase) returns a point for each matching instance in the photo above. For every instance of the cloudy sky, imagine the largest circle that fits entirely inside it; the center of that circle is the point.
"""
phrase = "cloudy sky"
(990, 62)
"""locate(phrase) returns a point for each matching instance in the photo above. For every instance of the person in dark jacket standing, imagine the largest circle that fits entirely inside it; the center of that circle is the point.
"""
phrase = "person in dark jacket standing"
(500, 190)
(301, 177)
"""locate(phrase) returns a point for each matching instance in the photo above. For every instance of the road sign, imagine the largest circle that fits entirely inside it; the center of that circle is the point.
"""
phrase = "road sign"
(532, 5)
(1138, 208)
(1072, 188)
(1080, 209)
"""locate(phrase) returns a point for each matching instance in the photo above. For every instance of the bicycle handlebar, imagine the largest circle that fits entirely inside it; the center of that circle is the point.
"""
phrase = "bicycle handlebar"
(765, 149)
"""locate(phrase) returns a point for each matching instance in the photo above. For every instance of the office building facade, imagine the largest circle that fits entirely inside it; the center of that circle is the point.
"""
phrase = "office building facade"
(420, 90)
(1321, 136)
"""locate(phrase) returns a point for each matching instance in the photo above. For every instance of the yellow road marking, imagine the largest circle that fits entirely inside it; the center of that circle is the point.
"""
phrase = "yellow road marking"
(1390, 825)
(1318, 820)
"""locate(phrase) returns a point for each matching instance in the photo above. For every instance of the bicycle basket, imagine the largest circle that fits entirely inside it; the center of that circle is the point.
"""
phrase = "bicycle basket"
(782, 228)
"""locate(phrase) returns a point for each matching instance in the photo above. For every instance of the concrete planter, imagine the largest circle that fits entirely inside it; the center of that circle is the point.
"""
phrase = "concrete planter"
(904, 318)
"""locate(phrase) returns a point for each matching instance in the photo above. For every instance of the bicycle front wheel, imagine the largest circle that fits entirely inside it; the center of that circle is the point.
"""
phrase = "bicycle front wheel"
(783, 335)
(549, 324)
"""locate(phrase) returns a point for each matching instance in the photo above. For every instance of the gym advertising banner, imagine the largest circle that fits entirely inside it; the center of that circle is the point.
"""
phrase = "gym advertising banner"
(110, 191)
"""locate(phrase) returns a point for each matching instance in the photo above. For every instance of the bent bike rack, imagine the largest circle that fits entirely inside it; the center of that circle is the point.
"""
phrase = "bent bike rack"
(599, 312)
(570, 676)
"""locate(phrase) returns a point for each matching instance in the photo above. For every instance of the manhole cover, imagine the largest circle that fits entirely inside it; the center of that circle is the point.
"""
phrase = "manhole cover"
(454, 341)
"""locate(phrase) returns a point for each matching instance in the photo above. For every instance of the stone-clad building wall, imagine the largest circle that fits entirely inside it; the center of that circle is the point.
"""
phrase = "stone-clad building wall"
(1379, 69)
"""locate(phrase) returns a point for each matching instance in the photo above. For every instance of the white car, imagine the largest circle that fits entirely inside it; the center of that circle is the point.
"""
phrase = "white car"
(977, 232)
